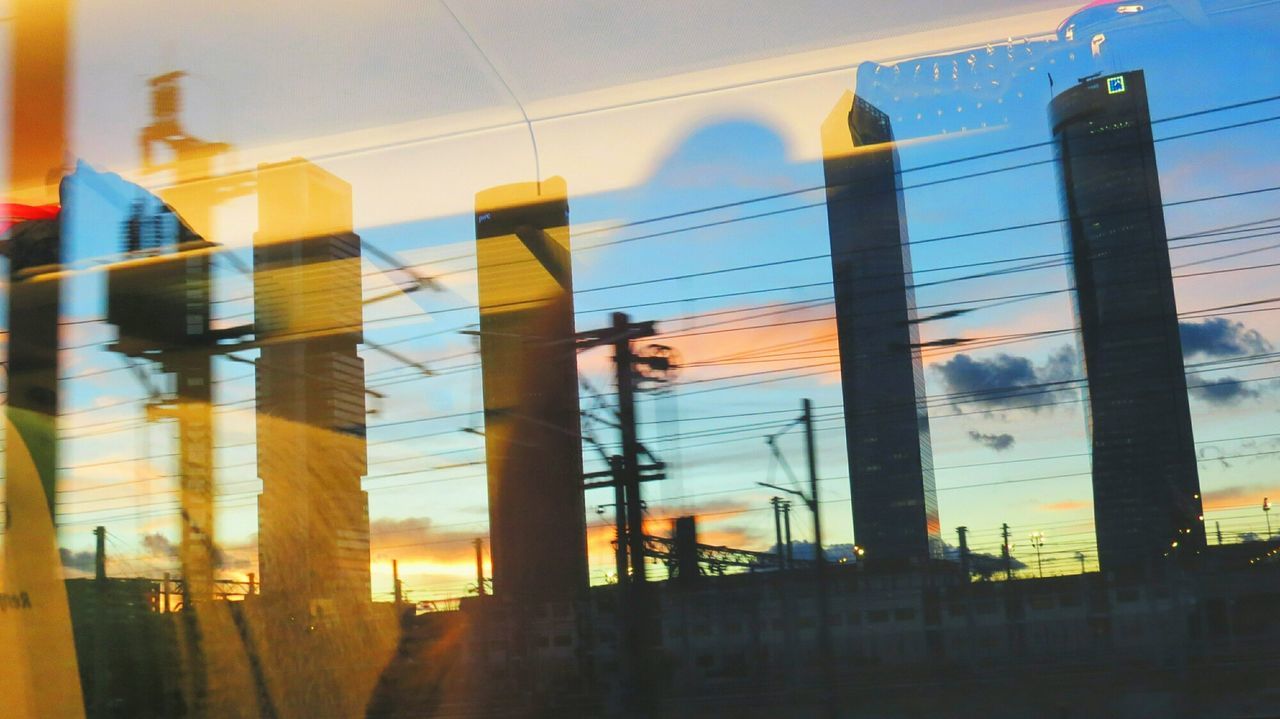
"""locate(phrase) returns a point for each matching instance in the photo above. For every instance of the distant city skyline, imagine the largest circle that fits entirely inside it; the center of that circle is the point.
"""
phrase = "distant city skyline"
(427, 517)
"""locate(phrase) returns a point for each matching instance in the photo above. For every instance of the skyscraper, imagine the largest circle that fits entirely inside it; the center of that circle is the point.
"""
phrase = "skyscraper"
(1146, 489)
(313, 517)
(895, 506)
(529, 366)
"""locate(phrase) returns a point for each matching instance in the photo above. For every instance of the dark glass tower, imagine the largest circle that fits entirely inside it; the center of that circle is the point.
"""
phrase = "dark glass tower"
(895, 506)
(1146, 489)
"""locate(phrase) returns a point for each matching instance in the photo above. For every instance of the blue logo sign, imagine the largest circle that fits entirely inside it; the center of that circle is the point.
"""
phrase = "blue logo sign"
(1115, 85)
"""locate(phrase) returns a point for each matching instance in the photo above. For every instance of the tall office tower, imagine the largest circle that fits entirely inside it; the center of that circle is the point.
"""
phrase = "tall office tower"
(1146, 490)
(313, 517)
(530, 374)
(895, 506)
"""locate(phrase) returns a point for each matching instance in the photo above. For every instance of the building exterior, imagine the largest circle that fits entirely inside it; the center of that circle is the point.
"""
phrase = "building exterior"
(895, 507)
(529, 366)
(313, 517)
(1146, 488)
(901, 643)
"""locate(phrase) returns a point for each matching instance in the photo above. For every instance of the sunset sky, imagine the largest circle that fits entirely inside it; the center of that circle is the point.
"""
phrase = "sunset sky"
(742, 292)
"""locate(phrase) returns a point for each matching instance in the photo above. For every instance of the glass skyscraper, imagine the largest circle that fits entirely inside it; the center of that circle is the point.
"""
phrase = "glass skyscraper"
(895, 506)
(1146, 488)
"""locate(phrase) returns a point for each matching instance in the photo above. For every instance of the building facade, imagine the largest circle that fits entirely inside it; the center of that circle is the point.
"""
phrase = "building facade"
(528, 356)
(313, 516)
(1146, 487)
(895, 506)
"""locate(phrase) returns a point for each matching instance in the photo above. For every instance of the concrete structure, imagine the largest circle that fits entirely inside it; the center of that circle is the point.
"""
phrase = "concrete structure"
(313, 517)
(529, 366)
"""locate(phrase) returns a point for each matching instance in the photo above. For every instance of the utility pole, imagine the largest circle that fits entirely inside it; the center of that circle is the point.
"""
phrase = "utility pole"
(626, 476)
(623, 361)
(619, 516)
(1266, 512)
(963, 532)
(479, 544)
(820, 561)
(1080, 556)
(1217, 526)
(1037, 541)
(100, 660)
(100, 556)
(395, 582)
(812, 458)
(777, 529)
(786, 526)
(1004, 552)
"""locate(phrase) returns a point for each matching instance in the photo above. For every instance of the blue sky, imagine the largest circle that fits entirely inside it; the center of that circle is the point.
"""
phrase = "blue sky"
(427, 501)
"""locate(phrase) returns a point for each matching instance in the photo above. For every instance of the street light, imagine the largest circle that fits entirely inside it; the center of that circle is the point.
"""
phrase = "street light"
(1037, 541)
(1080, 556)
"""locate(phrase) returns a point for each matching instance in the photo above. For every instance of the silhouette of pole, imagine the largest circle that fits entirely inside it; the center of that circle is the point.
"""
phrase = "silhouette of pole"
(820, 561)
(786, 526)
(624, 361)
(777, 529)
(812, 459)
(1004, 551)
(619, 516)
(1266, 512)
(963, 533)
(100, 555)
(395, 581)
(479, 544)
(1037, 541)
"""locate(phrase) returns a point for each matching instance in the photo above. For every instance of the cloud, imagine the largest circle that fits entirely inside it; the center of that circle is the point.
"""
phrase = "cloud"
(980, 563)
(1223, 392)
(1237, 497)
(416, 538)
(1008, 381)
(1069, 505)
(998, 442)
(804, 551)
(1220, 337)
(159, 545)
(83, 561)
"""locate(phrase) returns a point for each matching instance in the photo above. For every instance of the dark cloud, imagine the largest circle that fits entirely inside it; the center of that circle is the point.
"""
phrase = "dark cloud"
(804, 551)
(1224, 391)
(159, 545)
(980, 563)
(1008, 381)
(1220, 337)
(998, 442)
(76, 560)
